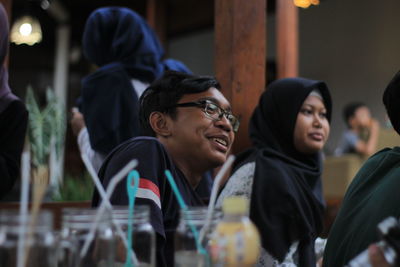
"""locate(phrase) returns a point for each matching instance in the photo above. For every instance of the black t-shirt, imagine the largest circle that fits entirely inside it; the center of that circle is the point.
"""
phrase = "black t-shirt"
(13, 124)
(154, 189)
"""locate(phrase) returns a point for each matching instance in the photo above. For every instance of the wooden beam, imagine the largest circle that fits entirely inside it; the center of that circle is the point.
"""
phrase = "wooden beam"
(188, 16)
(287, 39)
(156, 17)
(240, 56)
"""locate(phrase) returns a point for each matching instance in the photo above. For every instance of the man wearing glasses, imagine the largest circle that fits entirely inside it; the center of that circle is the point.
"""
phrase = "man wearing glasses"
(189, 129)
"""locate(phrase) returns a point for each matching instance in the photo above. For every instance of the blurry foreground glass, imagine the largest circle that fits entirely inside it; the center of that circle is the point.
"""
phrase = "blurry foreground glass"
(186, 253)
(143, 235)
(41, 244)
(76, 226)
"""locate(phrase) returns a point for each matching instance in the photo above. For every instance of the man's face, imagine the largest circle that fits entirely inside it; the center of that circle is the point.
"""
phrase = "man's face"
(198, 139)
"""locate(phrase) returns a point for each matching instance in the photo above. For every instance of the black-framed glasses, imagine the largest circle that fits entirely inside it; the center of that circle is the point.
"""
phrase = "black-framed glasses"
(213, 111)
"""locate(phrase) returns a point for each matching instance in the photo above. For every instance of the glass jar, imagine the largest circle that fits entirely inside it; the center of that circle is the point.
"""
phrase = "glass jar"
(76, 226)
(191, 222)
(40, 243)
(143, 234)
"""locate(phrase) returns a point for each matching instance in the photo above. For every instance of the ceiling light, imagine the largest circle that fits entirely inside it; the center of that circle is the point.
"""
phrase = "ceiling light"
(26, 30)
(305, 3)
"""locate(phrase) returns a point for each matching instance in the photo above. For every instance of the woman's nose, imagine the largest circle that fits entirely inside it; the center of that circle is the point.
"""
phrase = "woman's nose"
(317, 121)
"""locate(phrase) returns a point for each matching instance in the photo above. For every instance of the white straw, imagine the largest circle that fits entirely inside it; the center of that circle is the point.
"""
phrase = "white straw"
(106, 202)
(23, 208)
(214, 191)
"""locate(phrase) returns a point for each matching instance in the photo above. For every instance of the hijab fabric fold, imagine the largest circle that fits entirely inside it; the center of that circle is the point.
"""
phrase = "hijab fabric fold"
(124, 47)
(286, 202)
(6, 96)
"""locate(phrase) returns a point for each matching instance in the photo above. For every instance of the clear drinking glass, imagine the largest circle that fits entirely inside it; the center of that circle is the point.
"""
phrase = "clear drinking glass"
(189, 228)
(40, 243)
(76, 226)
(143, 234)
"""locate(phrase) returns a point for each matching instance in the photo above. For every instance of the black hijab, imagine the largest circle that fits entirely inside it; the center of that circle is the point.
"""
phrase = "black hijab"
(286, 202)
(391, 100)
(121, 43)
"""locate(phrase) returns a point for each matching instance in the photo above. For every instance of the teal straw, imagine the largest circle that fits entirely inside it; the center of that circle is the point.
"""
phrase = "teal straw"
(184, 207)
(131, 190)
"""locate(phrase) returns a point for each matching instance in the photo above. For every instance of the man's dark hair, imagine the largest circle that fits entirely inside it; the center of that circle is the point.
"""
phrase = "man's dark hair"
(350, 110)
(165, 92)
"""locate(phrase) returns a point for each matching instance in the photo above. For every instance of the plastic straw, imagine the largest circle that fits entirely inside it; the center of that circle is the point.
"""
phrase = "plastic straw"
(214, 191)
(184, 208)
(23, 208)
(131, 190)
(106, 202)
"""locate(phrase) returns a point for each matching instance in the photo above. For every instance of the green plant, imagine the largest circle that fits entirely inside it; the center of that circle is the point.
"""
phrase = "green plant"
(39, 129)
(46, 132)
(75, 188)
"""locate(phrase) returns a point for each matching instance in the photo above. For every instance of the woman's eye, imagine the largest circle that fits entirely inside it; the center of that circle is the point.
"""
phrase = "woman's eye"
(322, 114)
(306, 111)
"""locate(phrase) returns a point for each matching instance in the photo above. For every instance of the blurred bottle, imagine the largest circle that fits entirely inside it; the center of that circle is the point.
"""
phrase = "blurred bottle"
(235, 241)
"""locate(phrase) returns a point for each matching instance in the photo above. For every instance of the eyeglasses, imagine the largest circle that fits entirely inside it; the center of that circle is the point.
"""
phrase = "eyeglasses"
(213, 111)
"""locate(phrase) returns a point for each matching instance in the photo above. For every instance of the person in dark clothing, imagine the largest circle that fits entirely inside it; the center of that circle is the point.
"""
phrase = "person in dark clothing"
(13, 119)
(281, 173)
(190, 130)
(372, 196)
(128, 57)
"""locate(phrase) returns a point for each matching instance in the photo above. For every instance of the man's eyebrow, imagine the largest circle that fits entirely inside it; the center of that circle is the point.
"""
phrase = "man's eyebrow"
(215, 101)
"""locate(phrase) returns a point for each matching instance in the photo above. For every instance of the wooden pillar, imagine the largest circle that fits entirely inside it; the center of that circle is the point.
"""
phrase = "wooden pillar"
(156, 17)
(240, 56)
(287, 39)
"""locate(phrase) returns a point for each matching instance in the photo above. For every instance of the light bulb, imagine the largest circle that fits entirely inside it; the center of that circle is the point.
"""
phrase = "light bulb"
(25, 29)
(302, 3)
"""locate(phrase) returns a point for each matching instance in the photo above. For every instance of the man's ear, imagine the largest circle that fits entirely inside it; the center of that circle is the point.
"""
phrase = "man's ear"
(159, 122)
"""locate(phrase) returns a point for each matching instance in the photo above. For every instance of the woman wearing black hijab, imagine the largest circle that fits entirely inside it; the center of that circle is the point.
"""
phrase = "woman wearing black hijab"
(13, 119)
(281, 173)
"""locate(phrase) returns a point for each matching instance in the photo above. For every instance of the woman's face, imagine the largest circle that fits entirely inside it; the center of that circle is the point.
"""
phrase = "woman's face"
(312, 127)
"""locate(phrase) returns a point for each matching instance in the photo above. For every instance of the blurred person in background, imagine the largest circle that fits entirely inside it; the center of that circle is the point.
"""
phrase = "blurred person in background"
(13, 120)
(361, 135)
(128, 57)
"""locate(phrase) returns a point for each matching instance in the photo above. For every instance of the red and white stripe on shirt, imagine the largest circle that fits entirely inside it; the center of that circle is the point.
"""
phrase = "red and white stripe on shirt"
(148, 190)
